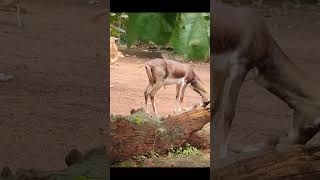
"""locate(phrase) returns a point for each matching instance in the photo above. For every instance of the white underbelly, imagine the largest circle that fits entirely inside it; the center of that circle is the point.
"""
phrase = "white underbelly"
(170, 81)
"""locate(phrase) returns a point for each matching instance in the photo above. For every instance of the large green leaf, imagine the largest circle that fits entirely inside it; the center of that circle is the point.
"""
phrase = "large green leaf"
(155, 27)
(191, 36)
(187, 33)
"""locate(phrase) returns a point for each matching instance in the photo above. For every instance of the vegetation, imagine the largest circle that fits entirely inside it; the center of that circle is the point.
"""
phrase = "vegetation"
(138, 118)
(118, 26)
(186, 151)
(187, 33)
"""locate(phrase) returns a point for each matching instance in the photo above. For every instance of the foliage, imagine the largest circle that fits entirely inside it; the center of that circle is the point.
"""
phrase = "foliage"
(187, 33)
(151, 154)
(138, 118)
(192, 35)
(155, 27)
(188, 150)
(118, 26)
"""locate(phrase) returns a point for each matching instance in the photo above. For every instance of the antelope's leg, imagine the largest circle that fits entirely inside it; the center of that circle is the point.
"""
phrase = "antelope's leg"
(232, 88)
(183, 88)
(179, 95)
(178, 88)
(296, 126)
(154, 90)
(218, 78)
(146, 96)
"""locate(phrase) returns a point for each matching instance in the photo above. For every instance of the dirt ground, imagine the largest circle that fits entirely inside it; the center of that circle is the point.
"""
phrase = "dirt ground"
(57, 100)
(259, 113)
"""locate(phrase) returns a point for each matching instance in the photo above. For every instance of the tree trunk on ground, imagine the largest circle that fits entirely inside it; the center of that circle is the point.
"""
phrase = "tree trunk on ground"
(201, 139)
(139, 134)
(286, 162)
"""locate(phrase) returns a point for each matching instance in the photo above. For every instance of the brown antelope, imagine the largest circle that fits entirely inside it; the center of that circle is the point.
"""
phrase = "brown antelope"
(7, 5)
(162, 72)
(241, 42)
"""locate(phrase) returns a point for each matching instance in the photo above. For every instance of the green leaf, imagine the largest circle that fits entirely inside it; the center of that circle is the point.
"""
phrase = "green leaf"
(155, 27)
(191, 37)
(187, 33)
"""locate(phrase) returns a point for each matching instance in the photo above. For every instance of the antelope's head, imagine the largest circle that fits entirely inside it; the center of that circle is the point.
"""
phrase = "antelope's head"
(198, 86)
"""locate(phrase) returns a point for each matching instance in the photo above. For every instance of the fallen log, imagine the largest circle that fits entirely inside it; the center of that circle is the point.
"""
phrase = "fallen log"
(138, 133)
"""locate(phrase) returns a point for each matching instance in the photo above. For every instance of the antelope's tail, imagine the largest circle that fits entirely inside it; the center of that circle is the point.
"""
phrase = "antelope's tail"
(149, 73)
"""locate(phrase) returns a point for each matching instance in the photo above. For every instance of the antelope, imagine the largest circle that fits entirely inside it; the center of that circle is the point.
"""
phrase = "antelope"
(162, 72)
(241, 43)
(114, 51)
(7, 5)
